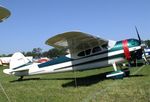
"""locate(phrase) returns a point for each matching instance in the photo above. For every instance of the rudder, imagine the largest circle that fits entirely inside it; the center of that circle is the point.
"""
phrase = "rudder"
(18, 59)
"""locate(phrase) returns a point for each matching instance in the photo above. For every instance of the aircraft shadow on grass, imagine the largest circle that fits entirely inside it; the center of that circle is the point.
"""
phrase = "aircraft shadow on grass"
(78, 81)
(86, 81)
(90, 80)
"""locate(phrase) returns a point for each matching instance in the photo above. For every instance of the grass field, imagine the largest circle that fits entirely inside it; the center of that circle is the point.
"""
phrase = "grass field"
(87, 86)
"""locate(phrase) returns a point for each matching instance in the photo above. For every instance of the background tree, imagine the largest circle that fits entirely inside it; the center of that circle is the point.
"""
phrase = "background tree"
(53, 53)
(147, 42)
(29, 54)
(36, 52)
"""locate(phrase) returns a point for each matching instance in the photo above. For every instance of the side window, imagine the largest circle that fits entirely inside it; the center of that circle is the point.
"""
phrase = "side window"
(88, 52)
(105, 46)
(81, 54)
(96, 49)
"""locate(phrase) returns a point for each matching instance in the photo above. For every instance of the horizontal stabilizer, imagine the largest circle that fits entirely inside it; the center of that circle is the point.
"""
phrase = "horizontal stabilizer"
(116, 75)
(20, 70)
(7, 71)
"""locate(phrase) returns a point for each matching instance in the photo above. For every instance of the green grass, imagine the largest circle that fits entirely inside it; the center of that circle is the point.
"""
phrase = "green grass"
(92, 86)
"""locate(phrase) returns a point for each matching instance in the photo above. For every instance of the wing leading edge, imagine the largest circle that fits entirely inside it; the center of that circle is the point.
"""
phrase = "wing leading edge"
(75, 41)
(4, 13)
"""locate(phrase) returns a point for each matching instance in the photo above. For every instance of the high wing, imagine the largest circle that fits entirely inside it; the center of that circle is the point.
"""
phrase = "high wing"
(4, 13)
(75, 41)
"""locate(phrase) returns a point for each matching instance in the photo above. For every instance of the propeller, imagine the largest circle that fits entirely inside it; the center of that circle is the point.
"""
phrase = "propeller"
(142, 45)
(137, 32)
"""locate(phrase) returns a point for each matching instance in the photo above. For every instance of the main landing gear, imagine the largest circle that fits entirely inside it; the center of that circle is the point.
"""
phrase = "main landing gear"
(21, 78)
(118, 74)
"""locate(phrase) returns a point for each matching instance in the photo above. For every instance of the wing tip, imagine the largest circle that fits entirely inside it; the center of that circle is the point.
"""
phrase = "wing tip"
(5, 13)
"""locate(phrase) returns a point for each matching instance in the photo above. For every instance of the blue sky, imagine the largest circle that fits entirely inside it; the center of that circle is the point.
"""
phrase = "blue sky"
(32, 22)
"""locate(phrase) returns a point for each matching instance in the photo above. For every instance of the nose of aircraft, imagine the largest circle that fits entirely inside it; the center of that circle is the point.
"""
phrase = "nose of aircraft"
(137, 53)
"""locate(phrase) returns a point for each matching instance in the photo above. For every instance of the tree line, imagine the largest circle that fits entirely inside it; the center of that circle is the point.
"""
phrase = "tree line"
(37, 53)
(147, 42)
(52, 53)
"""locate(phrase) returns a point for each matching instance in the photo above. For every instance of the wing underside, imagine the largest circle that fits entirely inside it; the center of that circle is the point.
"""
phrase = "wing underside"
(4, 13)
(75, 41)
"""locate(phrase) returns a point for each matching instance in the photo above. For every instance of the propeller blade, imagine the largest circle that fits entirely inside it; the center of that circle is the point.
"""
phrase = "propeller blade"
(142, 45)
(138, 34)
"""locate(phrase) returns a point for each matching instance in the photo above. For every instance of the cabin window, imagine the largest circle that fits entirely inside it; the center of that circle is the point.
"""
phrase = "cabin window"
(105, 46)
(81, 53)
(88, 52)
(133, 42)
(96, 49)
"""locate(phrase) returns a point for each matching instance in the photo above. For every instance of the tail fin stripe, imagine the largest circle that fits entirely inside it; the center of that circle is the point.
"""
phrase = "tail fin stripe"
(23, 65)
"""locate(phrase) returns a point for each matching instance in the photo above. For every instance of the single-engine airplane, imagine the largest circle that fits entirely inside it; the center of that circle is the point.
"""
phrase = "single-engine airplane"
(84, 52)
(4, 13)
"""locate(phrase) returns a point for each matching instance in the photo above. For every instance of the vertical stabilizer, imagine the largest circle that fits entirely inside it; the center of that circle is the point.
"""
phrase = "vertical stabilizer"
(18, 59)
